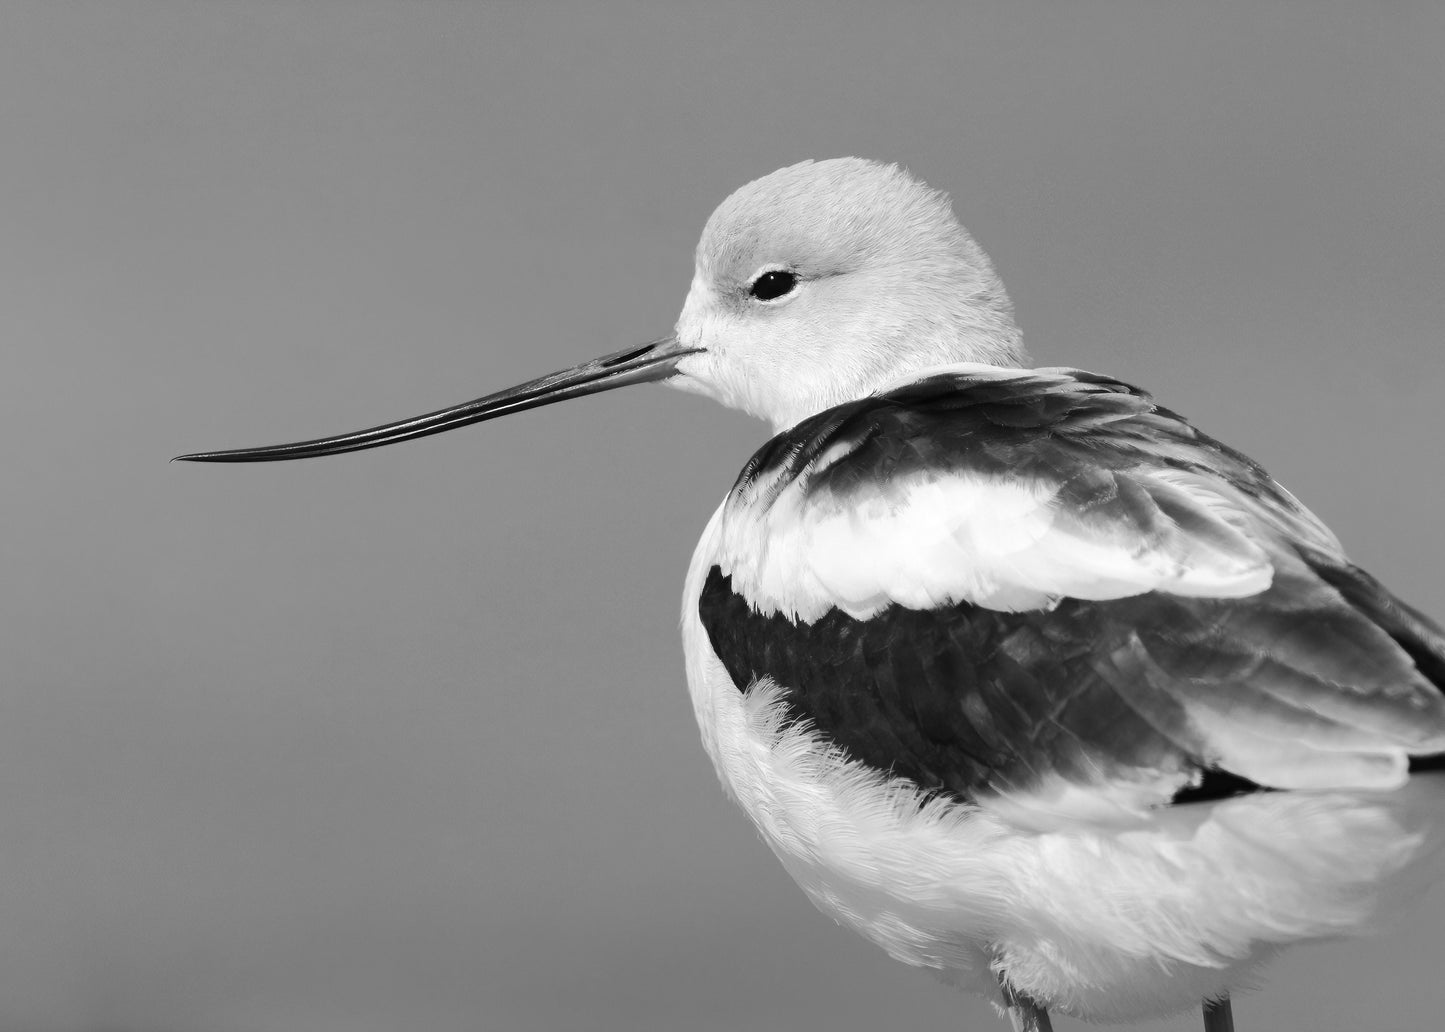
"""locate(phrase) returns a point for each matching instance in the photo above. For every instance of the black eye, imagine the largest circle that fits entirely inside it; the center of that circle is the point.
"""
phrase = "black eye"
(773, 284)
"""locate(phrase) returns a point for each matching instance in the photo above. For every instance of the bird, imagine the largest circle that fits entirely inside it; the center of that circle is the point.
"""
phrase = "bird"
(1018, 673)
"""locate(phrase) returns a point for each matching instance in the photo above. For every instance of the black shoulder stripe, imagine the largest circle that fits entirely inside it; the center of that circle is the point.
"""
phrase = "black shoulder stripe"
(1049, 424)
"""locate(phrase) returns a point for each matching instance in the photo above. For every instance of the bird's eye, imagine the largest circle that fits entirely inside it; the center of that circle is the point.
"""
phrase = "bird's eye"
(773, 284)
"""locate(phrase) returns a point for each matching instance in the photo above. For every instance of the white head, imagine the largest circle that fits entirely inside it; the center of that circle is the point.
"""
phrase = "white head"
(874, 277)
(815, 285)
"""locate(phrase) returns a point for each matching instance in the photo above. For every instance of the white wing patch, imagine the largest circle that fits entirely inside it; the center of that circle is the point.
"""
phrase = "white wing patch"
(936, 538)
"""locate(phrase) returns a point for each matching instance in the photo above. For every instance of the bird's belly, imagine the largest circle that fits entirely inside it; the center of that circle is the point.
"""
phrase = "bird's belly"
(857, 852)
(1103, 923)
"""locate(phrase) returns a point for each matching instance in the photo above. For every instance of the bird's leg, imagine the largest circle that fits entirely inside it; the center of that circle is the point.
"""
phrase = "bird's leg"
(1025, 1015)
(1218, 1015)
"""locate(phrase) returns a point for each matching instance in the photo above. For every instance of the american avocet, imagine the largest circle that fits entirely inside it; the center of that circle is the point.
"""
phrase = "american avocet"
(1019, 674)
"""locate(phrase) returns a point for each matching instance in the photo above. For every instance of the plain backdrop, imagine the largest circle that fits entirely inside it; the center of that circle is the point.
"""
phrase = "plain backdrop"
(400, 739)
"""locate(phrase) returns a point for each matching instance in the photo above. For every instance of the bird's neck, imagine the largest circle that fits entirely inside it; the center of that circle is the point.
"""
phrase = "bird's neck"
(994, 345)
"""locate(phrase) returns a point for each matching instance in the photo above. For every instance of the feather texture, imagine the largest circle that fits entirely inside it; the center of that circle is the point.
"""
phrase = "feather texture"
(1043, 593)
(1007, 488)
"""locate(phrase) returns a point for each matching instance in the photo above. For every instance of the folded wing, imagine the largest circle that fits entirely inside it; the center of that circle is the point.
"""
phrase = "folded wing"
(1014, 586)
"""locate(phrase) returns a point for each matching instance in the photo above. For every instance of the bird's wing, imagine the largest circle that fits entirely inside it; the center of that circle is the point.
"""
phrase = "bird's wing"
(1041, 591)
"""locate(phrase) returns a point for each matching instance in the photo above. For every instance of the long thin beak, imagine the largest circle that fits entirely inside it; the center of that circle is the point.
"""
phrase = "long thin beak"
(655, 361)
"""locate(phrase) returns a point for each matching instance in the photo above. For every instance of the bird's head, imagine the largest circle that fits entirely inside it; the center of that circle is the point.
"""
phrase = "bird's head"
(814, 285)
(827, 279)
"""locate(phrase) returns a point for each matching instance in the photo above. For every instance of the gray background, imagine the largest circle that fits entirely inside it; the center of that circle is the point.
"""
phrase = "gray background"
(400, 740)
